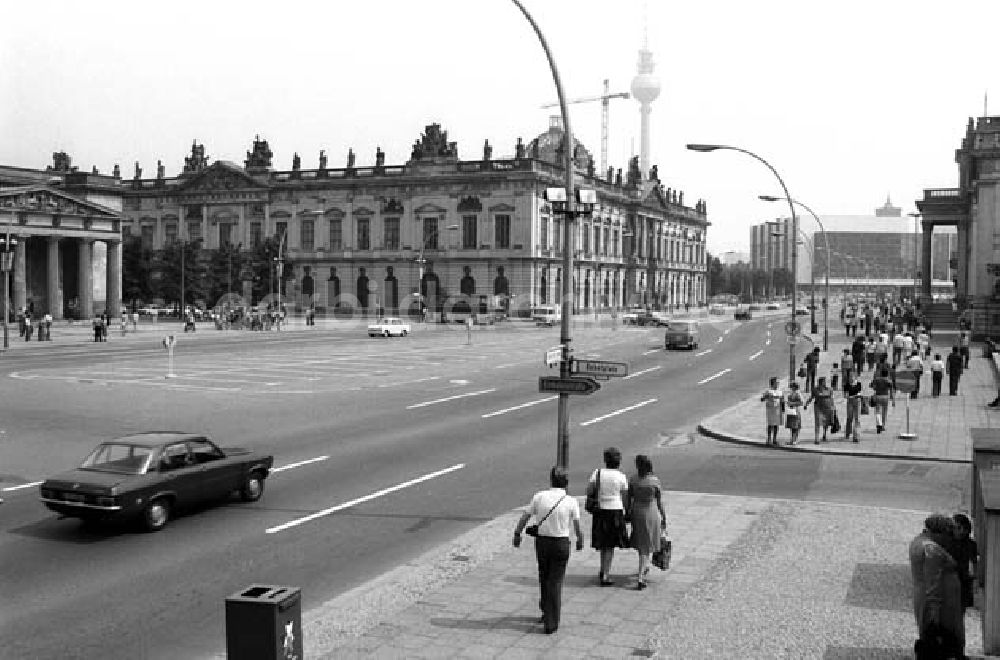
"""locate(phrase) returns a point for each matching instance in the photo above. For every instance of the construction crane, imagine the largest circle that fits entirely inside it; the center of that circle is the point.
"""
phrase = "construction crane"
(604, 99)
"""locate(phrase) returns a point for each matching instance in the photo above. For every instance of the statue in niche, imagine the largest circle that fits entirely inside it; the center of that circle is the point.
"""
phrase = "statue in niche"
(350, 159)
(138, 170)
(467, 286)
(362, 288)
(654, 173)
(519, 149)
(116, 172)
(160, 170)
(487, 150)
(500, 283)
(296, 161)
(379, 157)
(333, 288)
(307, 281)
(391, 289)
(322, 159)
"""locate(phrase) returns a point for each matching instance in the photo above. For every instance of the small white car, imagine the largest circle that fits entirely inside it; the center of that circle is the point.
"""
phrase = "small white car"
(388, 327)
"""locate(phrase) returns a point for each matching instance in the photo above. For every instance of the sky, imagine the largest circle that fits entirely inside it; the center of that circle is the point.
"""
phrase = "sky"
(850, 102)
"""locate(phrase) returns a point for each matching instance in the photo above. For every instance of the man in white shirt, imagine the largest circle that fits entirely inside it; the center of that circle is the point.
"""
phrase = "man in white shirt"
(937, 374)
(555, 512)
(916, 365)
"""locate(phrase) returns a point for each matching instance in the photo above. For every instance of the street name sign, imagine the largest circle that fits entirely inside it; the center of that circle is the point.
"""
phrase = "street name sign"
(600, 368)
(553, 356)
(557, 385)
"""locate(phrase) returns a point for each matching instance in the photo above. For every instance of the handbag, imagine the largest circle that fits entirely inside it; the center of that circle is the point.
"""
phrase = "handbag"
(835, 424)
(864, 405)
(532, 530)
(661, 558)
(802, 372)
(592, 503)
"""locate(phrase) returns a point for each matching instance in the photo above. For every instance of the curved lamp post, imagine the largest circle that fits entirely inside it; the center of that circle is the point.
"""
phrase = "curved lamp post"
(826, 242)
(795, 232)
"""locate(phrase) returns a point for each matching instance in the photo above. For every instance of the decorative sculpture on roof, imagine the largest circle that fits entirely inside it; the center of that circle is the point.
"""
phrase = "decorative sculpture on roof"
(534, 149)
(350, 158)
(634, 173)
(260, 157)
(434, 143)
(379, 157)
(618, 177)
(197, 161)
(116, 172)
(138, 170)
(61, 162)
(160, 170)
(611, 174)
(590, 166)
(296, 162)
(487, 150)
(654, 173)
(93, 170)
(519, 149)
(322, 159)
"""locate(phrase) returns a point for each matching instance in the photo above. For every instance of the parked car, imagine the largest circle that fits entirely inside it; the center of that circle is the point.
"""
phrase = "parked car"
(547, 315)
(151, 310)
(390, 326)
(754, 308)
(684, 334)
(151, 475)
(772, 306)
(743, 314)
(716, 309)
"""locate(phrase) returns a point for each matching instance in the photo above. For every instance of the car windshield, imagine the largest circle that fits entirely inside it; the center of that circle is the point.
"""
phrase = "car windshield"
(118, 457)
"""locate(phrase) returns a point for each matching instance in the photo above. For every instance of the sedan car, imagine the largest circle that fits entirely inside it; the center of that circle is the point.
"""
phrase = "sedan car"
(684, 334)
(390, 326)
(150, 475)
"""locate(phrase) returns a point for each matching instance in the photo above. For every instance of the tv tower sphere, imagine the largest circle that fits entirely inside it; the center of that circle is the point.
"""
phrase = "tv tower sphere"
(645, 85)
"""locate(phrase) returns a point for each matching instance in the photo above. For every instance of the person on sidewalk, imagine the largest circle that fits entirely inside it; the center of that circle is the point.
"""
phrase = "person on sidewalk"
(883, 392)
(824, 411)
(881, 349)
(897, 349)
(48, 327)
(646, 512)
(555, 513)
(811, 362)
(937, 591)
(963, 347)
(967, 557)
(608, 529)
(916, 365)
(953, 367)
(847, 370)
(924, 342)
(853, 395)
(937, 375)
(870, 348)
(793, 412)
(774, 408)
(858, 354)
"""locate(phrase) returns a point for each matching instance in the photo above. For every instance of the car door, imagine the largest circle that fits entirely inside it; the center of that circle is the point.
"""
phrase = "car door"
(219, 477)
(180, 473)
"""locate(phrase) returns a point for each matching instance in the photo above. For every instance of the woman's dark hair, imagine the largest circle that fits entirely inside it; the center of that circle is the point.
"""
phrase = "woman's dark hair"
(963, 521)
(643, 465)
(558, 477)
(612, 458)
(939, 524)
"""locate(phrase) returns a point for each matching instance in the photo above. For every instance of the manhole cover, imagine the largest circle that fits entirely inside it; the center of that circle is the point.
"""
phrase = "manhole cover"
(675, 439)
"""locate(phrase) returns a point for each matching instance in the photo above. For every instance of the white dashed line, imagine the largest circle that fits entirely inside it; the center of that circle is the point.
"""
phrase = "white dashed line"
(757, 354)
(639, 373)
(617, 412)
(449, 398)
(21, 486)
(299, 464)
(361, 500)
(706, 351)
(721, 373)
(523, 405)
(655, 350)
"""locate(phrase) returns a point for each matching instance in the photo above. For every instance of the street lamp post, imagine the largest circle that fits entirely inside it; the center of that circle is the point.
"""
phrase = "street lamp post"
(6, 263)
(795, 232)
(279, 267)
(420, 258)
(826, 242)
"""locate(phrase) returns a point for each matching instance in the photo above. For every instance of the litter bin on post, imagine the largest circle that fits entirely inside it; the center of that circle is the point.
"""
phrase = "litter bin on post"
(264, 622)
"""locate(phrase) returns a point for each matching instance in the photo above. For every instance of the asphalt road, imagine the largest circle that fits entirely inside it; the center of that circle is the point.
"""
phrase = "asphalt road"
(431, 435)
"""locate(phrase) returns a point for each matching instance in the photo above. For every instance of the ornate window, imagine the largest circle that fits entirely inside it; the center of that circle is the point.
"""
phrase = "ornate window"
(391, 233)
(364, 234)
(194, 230)
(280, 229)
(225, 233)
(256, 233)
(147, 237)
(586, 239)
(469, 234)
(307, 234)
(169, 233)
(502, 232)
(543, 235)
(336, 234)
(430, 237)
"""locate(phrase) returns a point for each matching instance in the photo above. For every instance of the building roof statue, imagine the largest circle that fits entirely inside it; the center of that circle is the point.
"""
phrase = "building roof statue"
(322, 159)
(61, 162)
(634, 173)
(888, 210)
(296, 161)
(549, 146)
(260, 157)
(433, 143)
(379, 157)
(197, 161)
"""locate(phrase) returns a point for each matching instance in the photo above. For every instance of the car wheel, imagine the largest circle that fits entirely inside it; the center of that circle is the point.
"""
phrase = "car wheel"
(253, 488)
(156, 514)
(402, 333)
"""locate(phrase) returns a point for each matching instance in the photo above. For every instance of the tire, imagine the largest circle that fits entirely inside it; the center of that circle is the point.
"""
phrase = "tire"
(156, 514)
(253, 487)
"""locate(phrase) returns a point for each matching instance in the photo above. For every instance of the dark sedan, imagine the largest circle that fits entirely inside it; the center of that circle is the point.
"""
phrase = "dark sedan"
(151, 475)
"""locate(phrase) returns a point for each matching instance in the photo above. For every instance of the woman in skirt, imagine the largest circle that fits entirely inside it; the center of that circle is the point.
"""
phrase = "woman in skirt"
(608, 530)
(646, 512)
(793, 416)
(824, 410)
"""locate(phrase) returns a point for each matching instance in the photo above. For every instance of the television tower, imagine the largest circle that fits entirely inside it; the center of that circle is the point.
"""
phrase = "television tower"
(645, 89)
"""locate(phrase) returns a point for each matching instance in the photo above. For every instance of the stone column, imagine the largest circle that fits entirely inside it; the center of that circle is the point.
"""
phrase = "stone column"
(961, 252)
(113, 274)
(925, 261)
(20, 274)
(54, 291)
(85, 279)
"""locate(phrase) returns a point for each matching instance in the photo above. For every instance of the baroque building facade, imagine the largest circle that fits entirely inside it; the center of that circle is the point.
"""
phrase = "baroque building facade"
(437, 230)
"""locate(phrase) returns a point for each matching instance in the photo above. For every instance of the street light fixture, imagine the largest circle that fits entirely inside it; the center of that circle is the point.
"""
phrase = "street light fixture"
(7, 243)
(826, 242)
(795, 230)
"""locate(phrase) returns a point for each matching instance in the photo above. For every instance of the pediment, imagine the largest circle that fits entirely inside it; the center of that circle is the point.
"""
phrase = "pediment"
(502, 208)
(363, 210)
(336, 214)
(43, 199)
(430, 209)
(220, 176)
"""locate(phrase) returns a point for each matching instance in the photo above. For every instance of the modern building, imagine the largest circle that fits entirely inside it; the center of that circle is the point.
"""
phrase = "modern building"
(67, 228)
(435, 228)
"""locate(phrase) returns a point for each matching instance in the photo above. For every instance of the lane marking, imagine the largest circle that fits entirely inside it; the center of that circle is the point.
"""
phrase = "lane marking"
(361, 500)
(617, 412)
(639, 373)
(727, 331)
(450, 398)
(757, 354)
(721, 373)
(505, 366)
(523, 405)
(299, 464)
(655, 350)
(10, 488)
(703, 352)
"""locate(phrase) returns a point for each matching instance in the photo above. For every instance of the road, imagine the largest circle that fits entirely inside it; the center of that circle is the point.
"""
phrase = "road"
(385, 448)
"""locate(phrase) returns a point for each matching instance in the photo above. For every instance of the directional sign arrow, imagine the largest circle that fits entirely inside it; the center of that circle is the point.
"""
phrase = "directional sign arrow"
(557, 385)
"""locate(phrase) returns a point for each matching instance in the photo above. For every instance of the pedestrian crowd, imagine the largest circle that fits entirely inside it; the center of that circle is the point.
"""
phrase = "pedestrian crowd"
(626, 512)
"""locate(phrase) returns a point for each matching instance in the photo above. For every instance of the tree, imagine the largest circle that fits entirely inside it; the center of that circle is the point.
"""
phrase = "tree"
(137, 271)
(195, 272)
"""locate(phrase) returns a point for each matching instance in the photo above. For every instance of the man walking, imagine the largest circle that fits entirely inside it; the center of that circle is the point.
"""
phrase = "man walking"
(953, 367)
(897, 348)
(937, 375)
(812, 363)
(963, 347)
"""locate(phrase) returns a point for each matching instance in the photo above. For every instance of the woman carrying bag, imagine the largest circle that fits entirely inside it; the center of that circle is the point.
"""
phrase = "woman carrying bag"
(610, 487)
(825, 413)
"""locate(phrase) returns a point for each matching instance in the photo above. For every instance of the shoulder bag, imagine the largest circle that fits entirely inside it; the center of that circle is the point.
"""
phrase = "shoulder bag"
(592, 503)
(532, 530)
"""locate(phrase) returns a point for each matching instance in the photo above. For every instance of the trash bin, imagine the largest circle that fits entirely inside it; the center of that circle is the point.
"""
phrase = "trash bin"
(264, 622)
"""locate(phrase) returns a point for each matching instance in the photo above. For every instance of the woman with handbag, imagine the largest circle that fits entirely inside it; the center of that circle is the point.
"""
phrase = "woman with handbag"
(555, 513)
(825, 413)
(793, 412)
(608, 489)
(645, 509)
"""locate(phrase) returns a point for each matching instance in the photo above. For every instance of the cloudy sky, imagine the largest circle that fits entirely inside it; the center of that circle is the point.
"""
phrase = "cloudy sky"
(850, 101)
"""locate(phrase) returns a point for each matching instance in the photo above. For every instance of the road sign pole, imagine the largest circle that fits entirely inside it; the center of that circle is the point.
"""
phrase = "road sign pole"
(907, 435)
(170, 362)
